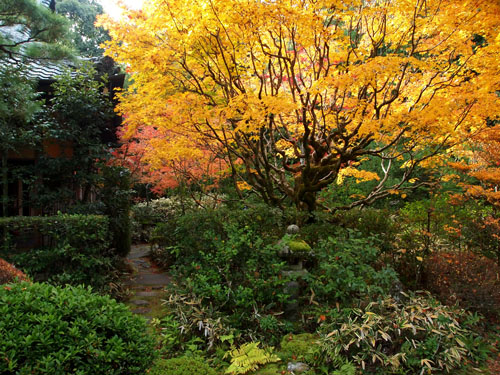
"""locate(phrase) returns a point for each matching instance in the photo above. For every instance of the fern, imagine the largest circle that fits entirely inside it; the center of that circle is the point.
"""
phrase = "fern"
(346, 369)
(248, 358)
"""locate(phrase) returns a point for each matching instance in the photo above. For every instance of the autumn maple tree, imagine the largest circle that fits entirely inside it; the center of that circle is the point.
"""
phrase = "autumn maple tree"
(480, 164)
(143, 155)
(295, 94)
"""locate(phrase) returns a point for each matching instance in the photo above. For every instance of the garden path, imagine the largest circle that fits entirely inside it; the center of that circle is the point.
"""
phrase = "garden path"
(146, 284)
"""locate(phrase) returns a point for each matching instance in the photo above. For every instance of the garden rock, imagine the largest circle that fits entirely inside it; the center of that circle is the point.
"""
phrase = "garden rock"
(297, 367)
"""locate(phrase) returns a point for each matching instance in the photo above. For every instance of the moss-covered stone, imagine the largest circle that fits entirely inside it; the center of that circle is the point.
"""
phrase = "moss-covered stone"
(298, 246)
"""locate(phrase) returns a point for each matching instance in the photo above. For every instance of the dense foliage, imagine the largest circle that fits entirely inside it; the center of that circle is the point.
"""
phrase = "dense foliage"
(230, 266)
(75, 121)
(347, 269)
(52, 330)
(62, 249)
(84, 35)
(269, 126)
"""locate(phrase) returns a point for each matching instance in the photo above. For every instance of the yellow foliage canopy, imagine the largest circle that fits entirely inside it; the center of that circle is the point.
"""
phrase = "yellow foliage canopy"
(301, 88)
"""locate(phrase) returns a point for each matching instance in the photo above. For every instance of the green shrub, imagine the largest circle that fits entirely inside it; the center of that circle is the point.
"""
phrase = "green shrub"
(182, 366)
(146, 215)
(238, 273)
(190, 325)
(230, 265)
(347, 269)
(370, 222)
(200, 230)
(68, 249)
(270, 369)
(52, 330)
(416, 337)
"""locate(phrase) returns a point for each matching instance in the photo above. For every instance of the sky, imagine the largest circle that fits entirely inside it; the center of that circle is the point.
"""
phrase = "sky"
(112, 9)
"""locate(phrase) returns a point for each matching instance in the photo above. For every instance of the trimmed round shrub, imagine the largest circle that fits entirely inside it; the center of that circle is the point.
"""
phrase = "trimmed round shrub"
(52, 330)
(9, 273)
(182, 366)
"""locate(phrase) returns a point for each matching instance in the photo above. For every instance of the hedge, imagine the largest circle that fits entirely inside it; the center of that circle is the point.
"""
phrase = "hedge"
(62, 249)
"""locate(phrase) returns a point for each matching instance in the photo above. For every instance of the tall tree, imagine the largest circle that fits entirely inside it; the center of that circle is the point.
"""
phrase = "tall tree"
(18, 105)
(85, 36)
(31, 32)
(299, 91)
(75, 119)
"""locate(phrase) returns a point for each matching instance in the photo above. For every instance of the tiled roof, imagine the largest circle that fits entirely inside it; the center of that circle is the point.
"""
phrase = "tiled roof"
(47, 70)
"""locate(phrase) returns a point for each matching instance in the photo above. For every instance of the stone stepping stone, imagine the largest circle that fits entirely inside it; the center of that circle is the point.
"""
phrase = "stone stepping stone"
(151, 279)
(141, 311)
(142, 264)
(139, 302)
(145, 293)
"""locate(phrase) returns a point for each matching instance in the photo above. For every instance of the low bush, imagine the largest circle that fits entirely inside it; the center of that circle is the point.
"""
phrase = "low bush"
(228, 258)
(270, 369)
(415, 337)
(188, 325)
(465, 278)
(240, 274)
(146, 215)
(9, 273)
(182, 366)
(63, 249)
(201, 230)
(347, 269)
(372, 222)
(52, 330)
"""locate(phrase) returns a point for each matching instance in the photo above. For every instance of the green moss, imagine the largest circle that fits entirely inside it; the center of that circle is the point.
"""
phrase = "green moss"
(299, 347)
(182, 366)
(270, 369)
(298, 246)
